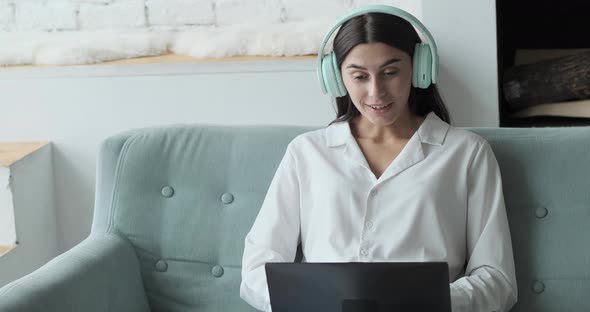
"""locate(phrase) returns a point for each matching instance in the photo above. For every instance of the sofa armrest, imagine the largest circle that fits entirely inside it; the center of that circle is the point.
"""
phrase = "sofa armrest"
(99, 274)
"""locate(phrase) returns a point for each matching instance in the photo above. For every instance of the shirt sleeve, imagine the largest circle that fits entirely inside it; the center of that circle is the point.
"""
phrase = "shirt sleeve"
(275, 234)
(489, 283)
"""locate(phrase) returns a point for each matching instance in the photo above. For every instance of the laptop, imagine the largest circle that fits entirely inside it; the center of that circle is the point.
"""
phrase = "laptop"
(359, 287)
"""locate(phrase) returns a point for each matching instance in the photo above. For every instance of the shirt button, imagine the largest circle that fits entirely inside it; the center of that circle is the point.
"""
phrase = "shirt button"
(373, 193)
(369, 225)
(364, 252)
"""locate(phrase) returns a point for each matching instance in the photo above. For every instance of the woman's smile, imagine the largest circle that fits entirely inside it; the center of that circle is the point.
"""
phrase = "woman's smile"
(380, 108)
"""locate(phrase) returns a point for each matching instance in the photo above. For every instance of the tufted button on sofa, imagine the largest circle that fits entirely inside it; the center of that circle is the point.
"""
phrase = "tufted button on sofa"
(173, 205)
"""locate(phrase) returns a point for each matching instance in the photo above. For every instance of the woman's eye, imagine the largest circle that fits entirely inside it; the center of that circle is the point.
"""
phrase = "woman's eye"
(393, 73)
(359, 77)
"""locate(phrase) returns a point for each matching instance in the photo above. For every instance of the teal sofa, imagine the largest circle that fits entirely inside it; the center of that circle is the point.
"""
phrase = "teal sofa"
(174, 203)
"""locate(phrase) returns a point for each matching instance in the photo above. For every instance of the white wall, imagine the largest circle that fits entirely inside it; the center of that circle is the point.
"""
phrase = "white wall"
(465, 31)
(35, 215)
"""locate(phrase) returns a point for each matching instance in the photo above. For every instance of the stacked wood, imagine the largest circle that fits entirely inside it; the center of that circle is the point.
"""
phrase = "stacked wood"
(557, 80)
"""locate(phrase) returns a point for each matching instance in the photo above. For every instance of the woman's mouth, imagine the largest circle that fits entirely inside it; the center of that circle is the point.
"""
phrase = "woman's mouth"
(380, 108)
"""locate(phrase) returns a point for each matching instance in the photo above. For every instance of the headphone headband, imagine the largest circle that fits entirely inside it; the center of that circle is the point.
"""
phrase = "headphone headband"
(387, 10)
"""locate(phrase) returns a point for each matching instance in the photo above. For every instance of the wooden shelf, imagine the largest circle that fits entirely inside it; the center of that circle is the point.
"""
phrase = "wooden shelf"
(5, 249)
(179, 59)
(13, 152)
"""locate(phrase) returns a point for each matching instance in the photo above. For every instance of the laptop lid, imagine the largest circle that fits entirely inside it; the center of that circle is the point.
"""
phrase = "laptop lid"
(359, 287)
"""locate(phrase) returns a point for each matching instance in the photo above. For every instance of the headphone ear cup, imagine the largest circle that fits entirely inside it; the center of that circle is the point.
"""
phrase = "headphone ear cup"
(422, 66)
(332, 77)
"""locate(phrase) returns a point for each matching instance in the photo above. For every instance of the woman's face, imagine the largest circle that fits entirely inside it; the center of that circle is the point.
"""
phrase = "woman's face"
(378, 78)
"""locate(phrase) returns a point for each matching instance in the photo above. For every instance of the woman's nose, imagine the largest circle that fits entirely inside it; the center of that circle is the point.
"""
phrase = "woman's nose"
(376, 88)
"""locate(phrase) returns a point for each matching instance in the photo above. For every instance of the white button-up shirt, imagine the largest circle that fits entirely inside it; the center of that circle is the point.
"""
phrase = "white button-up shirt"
(439, 200)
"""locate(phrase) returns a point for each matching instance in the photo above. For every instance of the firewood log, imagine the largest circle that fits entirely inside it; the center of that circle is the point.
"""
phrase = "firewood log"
(556, 80)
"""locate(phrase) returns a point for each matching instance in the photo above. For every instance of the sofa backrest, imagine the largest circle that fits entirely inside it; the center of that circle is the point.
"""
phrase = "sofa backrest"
(185, 197)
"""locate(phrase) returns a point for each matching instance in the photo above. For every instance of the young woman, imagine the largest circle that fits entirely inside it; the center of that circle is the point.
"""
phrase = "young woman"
(389, 180)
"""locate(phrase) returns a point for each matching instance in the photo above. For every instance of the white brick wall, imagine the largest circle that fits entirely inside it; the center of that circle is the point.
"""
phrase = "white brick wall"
(248, 11)
(42, 15)
(180, 12)
(94, 1)
(118, 14)
(6, 16)
(412, 6)
(299, 10)
(24, 15)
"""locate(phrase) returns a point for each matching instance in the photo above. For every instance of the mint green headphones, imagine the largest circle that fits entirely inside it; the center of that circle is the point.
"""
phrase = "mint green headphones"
(424, 60)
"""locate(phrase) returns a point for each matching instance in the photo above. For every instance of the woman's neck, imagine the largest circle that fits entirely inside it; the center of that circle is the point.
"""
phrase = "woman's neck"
(401, 129)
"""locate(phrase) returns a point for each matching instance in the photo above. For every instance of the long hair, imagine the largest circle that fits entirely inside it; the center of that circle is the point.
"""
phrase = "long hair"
(395, 32)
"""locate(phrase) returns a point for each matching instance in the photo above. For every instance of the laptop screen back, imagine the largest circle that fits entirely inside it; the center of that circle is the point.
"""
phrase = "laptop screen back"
(359, 287)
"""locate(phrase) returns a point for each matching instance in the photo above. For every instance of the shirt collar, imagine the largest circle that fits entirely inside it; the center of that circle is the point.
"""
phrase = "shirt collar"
(432, 131)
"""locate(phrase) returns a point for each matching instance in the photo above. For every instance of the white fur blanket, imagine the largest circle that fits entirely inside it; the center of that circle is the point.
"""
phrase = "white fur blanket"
(88, 47)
